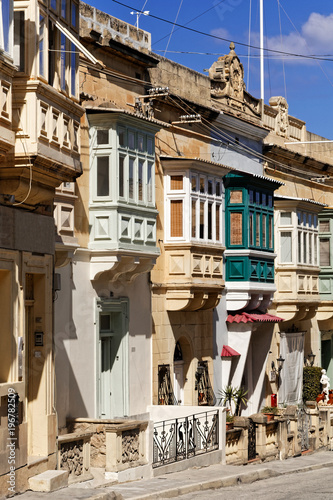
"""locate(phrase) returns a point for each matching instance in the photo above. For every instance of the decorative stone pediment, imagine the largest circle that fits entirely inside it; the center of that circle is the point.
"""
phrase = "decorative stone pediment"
(228, 86)
(280, 104)
(227, 75)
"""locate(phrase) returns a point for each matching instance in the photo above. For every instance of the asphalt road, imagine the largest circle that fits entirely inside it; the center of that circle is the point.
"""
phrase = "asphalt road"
(311, 485)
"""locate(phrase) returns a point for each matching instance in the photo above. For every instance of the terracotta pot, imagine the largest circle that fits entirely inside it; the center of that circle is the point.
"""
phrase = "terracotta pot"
(320, 397)
(229, 425)
(270, 416)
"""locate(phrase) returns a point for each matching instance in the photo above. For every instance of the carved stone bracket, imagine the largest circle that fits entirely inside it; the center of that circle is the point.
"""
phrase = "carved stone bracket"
(123, 267)
(191, 300)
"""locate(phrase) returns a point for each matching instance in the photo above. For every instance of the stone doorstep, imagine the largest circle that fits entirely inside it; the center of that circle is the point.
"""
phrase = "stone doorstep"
(49, 480)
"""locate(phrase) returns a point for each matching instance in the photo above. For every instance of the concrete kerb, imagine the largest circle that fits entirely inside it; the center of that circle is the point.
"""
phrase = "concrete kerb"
(215, 484)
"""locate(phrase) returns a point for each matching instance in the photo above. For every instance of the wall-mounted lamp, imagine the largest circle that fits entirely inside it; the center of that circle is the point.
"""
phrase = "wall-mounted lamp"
(310, 360)
(280, 360)
(274, 374)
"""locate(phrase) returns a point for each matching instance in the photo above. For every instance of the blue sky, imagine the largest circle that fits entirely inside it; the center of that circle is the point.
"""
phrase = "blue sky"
(293, 27)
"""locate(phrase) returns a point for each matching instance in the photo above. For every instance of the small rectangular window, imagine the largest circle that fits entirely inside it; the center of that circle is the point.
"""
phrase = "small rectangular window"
(73, 59)
(150, 182)
(202, 220)
(270, 231)
(310, 247)
(131, 178)
(218, 189)
(62, 61)
(324, 226)
(131, 140)
(6, 7)
(150, 145)
(202, 185)
(42, 45)
(121, 176)
(102, 137)
(194, 183)
(176, 207)
(140, 142)
(217, 221)
(63, 8)
(264, 230)
(53, 4)
(251, 237)
(257, 198)
(285, 218)
(210, 187)
(251, 196)
(236, 228)
(122, 137)
(19, 40)
(324, 252)
(210, 222)
(258, 229)
(305, 248)
(102, 176)
(140, 180)
(286, 246)
(264, 199)
(236, 196)
(194, 219)
(300, 247)
(74, 15)
(176, 182)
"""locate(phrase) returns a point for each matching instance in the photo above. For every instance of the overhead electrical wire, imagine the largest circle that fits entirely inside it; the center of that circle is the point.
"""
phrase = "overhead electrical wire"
(220, 136)
(191, 20)
(304, 56)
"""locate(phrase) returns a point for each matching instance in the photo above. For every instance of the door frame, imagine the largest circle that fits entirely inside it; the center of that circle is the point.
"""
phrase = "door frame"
(121, 306)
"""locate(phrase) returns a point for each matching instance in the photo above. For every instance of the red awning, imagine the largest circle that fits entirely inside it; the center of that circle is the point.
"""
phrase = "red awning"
(252, 318)
(228, 352)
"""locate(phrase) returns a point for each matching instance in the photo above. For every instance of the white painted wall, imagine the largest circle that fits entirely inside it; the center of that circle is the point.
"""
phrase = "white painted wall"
(76, 333)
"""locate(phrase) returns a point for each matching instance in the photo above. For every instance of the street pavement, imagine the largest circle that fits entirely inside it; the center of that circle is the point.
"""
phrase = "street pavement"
(175, 484)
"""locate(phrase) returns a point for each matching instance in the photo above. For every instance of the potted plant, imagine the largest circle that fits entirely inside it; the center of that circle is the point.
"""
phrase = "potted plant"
(270, 412)
(229, 421)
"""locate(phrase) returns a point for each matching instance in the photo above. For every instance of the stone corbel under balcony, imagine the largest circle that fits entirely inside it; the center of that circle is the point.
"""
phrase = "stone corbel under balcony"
(192, 299)
(64, 252)
(249, 296)
(119, 266)
(325, 311)
(296, 312)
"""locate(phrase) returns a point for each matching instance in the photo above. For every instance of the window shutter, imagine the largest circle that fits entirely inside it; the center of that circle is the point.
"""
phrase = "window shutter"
(176, 208)
(236, 228)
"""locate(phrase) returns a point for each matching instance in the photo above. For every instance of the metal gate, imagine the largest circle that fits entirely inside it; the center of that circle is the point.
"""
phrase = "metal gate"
(252, 441)
(303, 426)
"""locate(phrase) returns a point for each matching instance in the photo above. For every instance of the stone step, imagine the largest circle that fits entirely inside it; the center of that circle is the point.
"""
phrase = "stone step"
(50, 480)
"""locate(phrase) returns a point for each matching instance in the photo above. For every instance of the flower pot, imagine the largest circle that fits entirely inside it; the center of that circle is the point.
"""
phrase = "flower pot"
(229, 425)
(270, 416)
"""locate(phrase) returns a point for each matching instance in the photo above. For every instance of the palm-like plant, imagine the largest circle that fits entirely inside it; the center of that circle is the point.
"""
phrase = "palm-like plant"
(241, 399)
(228, 396)
(233, 395)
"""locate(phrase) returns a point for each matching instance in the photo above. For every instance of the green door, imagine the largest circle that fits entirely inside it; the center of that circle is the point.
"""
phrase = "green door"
(112, 390)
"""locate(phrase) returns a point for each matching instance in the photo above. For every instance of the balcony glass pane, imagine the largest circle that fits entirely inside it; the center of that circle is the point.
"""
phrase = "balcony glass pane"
(324, 252)
(286, 246)
(103, 176)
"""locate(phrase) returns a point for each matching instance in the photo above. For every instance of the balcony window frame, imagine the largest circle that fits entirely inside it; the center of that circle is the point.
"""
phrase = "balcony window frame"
(195, 196)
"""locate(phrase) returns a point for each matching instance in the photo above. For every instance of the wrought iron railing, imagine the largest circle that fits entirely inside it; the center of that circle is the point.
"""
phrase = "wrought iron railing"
(166, 395)
(182, 438)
